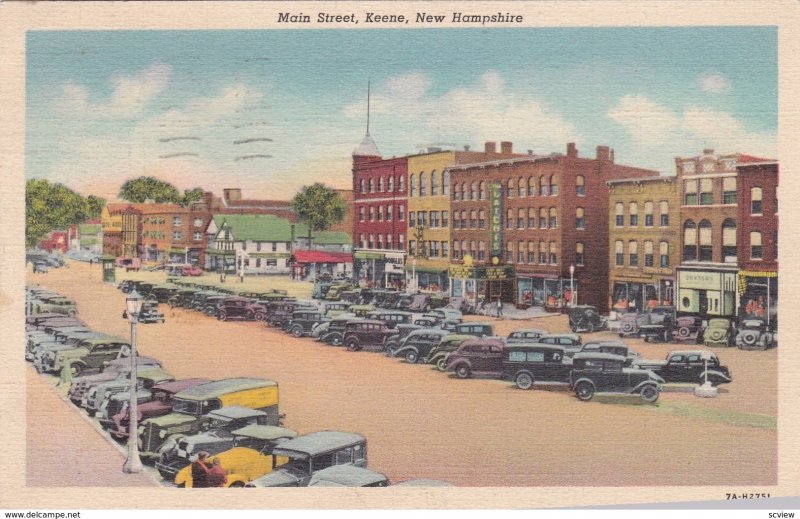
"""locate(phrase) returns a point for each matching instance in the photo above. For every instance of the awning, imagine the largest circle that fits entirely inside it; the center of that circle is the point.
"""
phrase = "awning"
(744, 274)
(427, 270)
(369, 255)
(318, 256)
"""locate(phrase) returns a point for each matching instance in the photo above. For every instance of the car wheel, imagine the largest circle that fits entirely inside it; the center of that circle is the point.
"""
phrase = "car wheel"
(684, 332)
(441, 364)
(272, 322)
(649, 394)
(411, 357)
(77, 369)
(463, 371)
(352, 345)
(627, 328)
(297, 330)
(584, 391)
(524, 381)
(336, 339)
(749, 338)
(236, 484)
(222, 316)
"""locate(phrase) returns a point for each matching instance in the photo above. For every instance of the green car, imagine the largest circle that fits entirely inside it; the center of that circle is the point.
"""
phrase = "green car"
(718, 332)
(90, 354)
(439, 353)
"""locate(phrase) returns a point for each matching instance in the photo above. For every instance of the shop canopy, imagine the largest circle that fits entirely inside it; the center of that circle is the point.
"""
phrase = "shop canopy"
(318, 256)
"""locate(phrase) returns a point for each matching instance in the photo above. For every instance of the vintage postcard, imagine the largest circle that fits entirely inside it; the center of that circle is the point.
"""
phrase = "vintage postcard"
(485, 255)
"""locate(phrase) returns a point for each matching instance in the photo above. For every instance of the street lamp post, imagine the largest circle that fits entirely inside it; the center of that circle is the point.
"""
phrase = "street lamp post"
(572, 285)
(133, 463)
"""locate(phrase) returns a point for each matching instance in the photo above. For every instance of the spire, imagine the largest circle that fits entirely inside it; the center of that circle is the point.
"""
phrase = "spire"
(367, 148)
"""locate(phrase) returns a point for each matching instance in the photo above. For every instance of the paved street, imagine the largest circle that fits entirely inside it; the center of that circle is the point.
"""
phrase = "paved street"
(422, 424)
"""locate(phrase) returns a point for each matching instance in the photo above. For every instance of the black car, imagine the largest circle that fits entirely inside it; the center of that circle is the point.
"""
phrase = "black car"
(596, 373)
(526, 364)
(585, 318)
(402, 331)
(688, 366)
(391, 318)
(418, 344)
(302, 322)
(615, 347)
(234, 307)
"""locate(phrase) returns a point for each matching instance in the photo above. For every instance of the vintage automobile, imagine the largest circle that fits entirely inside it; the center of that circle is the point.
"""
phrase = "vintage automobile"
(367, 333)
(475, 329)
(115, 369)
(302, 322)
(688, 366)
(159, 404)
(361, 310)
(335, 291)
(334, 335)
(419, 303)
(383, 298)
(320, 289)
(391, 318)
(279, 312)
(212, 304)
(162, 293)
(348, 476)
(482, 357)
(439, 354)
(129, 264)
(400, 332)
(418, 344)
(599, 373)
(189, 270)
(688, 328)
(585, 318)
(335, 309)
(719, 332)
(199, 299)
(615, 347)
(216, 437)
(145, 379)
(235, 307)
(525, 336)
(55, 304)
(37, 344)
(656, 320)
(182, 297)
(754, 334)
(311, 453)
(191, 406)
(114, 403)
(571, 342)
(89, 355)
(40, 319)
(250, 457)
(150, 314)
(528, 364)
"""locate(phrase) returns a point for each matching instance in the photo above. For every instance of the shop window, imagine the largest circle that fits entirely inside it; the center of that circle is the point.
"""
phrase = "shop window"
(689, 241)
(756, 195)
(729, 245)
(619, 253)
(633, 253)
(663, 212)
(756, 249)
(690, 192)
(706, 249)
(648, 253)
(663, 251)
(729, 190)
(706, 191)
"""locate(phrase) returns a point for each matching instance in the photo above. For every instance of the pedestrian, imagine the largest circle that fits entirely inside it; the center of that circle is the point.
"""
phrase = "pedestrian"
(221, 280)
(200, 470)
(499, 308)
(91, 262)
(216, 474)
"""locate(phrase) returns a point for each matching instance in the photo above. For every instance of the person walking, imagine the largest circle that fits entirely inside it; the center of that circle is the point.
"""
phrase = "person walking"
(200, 471)
(216, 475)
(499, 308)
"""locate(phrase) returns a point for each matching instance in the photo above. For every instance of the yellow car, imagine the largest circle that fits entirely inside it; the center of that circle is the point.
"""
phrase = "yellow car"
(250, 458)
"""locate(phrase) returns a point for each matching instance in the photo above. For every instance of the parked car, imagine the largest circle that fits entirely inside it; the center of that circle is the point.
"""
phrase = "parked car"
(585, 318)
(528, 364)
(391, 318)
(719, 332)
(162, 293)
(279, 312)
(476, 329)
(216, 436)
(114, 369)
(477, 357)
(55, 304)
(89, 355)
(420, 303)
(334, 309)
(250, 457)
(145, 379)
(418, 344)
(570, 341)
(367, 333)
(361, 310)
(754, 334)
(348, 476)
(129, 264)
(149, 315)
(334, 335)
(302, 322)
(311, 453)
(441, 352)
(688, 366)
(615, 347)
(320, 289)
(525, 336)
(400, 333)
(688, 328)
(335, 291)
(598, 373)
(658, 318)
(235, 307)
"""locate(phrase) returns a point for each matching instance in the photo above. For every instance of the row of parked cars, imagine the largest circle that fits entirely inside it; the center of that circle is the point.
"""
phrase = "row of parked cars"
(236, 420)
(527, 357)
(42, 261)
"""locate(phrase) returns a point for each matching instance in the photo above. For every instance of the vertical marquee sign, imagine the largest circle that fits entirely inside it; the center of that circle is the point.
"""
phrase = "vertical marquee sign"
(496, 220)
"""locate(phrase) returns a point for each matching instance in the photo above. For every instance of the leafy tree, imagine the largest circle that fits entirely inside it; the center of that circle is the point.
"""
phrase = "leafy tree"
(51, 206)
(140, 189)
(319, 207)
(96, 205)
(192, 195)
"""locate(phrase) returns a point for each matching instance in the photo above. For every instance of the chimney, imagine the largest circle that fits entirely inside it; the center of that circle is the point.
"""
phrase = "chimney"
(612, 155)
(506, 147)
(490, 147)
(466, 147)
(572, 151)
(603, 153)
(530, 153)
(231, 194)
(708, 151)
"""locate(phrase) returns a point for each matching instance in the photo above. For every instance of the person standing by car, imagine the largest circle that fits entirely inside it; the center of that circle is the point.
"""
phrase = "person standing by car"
(200, 471)
(216, 475)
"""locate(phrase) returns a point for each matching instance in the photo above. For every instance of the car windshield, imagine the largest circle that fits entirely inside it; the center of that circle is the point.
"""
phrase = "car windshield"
(186, 407)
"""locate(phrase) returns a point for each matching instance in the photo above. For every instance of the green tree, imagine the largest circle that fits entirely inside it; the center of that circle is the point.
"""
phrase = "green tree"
(192, 195)
(140, 189)
(96, 205)
(51, 206)
(319, 207)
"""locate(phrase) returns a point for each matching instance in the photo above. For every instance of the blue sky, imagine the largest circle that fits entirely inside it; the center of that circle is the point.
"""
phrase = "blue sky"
(270, 111)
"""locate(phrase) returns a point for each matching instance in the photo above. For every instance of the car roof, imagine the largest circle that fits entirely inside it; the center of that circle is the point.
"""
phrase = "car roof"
(322, 441)
(425, 331)
(176, 386)
(691, 352)
(221, 387)
(597, 355)
(346, 475)
(570, 335)
(368, 321)
(535, 346)
(154, 373)
(235, 412)
(528, 330)
(265, 432)
(493, 341)
(104, 338)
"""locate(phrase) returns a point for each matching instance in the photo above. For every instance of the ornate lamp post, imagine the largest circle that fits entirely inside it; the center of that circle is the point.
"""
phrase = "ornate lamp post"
(133, 463)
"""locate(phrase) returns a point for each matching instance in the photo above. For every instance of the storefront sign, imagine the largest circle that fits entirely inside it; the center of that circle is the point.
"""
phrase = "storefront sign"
(699, 280)
(655, 270)
(499, 273)
(462, 272)
(482, 272)
(369, 255)
(495, 219)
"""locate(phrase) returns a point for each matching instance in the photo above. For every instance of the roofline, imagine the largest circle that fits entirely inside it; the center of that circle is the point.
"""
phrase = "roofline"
(761, 163)
(658, 178)
(500, 162)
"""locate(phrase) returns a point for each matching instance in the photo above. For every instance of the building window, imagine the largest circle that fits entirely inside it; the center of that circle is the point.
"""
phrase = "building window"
(663, 210)
(372, 214)
(401, 212)
(689, 241)
(553, 253)
(456, 192)
(619, 214)
(553, 186)
(481, 219)
(380, 241)
(690, 192)
(434, 217)
(473, 219)
(521, 187)
(520, 218)
(509, 252)
(509, 218)
(706, 191)
(258, 246)
(372, 185)
(464, 192)
(481, 250)
(421, 218)
(445, 216)
(706, 244)
(473, 191)
(389, 241)
(648, 253)
(543, 188)
(729, 190)
(371, 241)
(434, 183)
(580, 185)
(464, 219)
(198, 222)
(380, 213)
(456, 249)
(531, 186)
(648, 214)
(542, 253)
(412, 183)
(473, 251)
(444, 249)
(400, 239)
(531, 252)
(380, 184)
(423, 185)
(553, 218)
(176, 221)
(412, 219)
(401, 183)
(177, 235)
(521, 252)
(361, 186)
(434, 246)
(663, 250)
(542, 218)
(729, 246)
(388, 213)
(580, 218)
(361, 214)
(412, 247)
(363, 241)
(510, 188)
(198, 236)
(446, 183)
(633, 253)
(579, 253)
(391, 184)
(633, 209)
(756, 250)
(531, 218)
(275, 246)
(756, 195)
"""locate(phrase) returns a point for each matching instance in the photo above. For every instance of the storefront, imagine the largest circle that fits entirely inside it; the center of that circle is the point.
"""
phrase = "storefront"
(427, 278)
(482, 284)
(310, 264)
(707, 291)
(379, 269)
(546, 292)
(630, 293)
(758, 296)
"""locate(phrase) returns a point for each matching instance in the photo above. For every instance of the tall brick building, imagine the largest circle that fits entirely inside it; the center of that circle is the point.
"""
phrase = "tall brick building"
(520, 223)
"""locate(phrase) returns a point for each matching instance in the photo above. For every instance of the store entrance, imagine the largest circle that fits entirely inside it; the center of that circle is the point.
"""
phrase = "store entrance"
(502, 289)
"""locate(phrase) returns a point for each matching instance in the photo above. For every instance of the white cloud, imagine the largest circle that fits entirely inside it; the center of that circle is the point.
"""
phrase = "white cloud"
(648, 122)
(714, 83)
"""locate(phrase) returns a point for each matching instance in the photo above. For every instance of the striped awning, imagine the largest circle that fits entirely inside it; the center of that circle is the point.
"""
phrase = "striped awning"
(744, 274)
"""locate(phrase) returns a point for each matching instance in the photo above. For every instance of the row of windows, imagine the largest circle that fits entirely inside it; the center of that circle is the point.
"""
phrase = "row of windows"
(548, 186)
(369, 242)
(381, 213)
(698, 240)
(548, 219)
(382, 186)
(633, 214)
(177, 221)
(434, 183)
(705, 188)
(531, 252)
(431, 219)
(273, 244)
(633, 253)
(429, 249)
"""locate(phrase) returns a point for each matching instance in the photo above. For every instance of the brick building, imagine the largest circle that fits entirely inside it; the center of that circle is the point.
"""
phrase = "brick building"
(758, 238)
(111, 222)
(643, 241)
(520, 223)
(380, 203)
